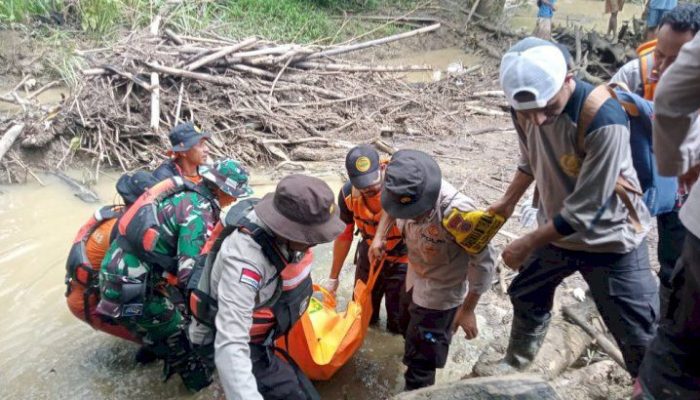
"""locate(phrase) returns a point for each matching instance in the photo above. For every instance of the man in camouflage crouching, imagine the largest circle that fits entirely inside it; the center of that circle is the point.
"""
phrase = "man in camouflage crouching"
(157, 248)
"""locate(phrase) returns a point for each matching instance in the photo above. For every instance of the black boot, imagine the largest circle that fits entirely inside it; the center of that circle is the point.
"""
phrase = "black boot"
(526, 338)
(185, 360)
(145, 355)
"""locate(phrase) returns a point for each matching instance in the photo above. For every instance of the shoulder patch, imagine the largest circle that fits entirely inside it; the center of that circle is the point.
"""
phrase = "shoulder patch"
(251, 278)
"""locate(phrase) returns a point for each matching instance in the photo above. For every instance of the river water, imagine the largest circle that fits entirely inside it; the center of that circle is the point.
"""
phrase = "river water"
(46, 353)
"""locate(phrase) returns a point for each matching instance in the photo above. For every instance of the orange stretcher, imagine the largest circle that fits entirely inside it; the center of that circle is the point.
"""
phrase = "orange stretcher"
(324, 339)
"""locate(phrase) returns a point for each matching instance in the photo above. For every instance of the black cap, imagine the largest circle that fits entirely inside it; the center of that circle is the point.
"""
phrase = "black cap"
(411, 184)
(362, 164)
(184, 136)
(132, 185)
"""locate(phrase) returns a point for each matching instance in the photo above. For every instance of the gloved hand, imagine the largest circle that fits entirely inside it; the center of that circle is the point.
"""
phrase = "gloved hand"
(330, 284)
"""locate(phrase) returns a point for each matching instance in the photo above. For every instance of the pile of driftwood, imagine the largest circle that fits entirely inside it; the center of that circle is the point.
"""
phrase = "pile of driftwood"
(265, 103)
(595, 58)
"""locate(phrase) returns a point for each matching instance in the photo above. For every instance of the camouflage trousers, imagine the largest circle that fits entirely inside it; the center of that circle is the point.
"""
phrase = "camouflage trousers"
(142, 300)
(139, 297)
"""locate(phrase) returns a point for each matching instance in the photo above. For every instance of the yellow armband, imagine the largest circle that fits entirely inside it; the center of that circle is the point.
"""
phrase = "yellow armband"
(472, 230)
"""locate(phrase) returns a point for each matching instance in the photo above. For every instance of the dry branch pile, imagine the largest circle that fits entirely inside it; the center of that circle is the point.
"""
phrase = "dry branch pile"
(264, 103)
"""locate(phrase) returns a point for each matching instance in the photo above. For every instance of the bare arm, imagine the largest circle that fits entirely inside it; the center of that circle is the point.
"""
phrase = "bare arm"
(376, 249)
(517, 188)
(341, 249)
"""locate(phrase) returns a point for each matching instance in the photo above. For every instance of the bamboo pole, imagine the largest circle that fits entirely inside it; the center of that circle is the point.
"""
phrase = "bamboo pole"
(371, 43)
(219, 54)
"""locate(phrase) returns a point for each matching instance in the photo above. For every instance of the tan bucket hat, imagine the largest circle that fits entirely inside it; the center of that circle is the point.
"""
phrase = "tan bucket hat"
(302, 209)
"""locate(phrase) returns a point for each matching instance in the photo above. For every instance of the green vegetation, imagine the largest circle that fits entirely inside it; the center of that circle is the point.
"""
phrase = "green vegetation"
(66, 25)
(302, 21)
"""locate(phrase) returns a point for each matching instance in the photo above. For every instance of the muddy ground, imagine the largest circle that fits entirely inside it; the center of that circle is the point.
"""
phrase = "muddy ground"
(482, 163)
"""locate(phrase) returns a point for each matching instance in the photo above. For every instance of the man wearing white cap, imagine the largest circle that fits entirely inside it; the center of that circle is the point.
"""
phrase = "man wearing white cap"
(574, 143)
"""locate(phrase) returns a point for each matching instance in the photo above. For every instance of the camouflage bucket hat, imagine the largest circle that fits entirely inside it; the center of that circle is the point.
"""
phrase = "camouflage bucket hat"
(229, 176)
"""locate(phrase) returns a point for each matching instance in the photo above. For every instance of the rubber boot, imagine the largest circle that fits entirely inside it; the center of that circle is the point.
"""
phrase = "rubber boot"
(145, 355)
(526, 338)
(184, 359)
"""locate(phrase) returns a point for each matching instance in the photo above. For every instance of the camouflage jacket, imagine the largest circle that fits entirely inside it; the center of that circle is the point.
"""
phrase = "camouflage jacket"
(186, 221)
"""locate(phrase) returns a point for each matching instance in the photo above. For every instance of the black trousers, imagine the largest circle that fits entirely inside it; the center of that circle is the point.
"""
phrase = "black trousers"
(389, 286)
(427, 342)
(623, 288)
(278, 379)
(670, 246)
(671, 368)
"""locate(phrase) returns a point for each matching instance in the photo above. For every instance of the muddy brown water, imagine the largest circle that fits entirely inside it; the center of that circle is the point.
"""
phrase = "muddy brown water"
(47, 353)
(442, 61)
(49, 97)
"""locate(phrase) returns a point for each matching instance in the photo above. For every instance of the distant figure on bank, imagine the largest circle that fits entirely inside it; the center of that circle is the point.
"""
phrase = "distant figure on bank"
(546, 9)
(657, 10)
(613, 7)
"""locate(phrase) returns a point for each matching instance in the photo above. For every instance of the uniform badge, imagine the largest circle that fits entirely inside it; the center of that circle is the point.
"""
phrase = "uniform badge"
(570, 164)
(251, 278)
(132, 310)
(363, 164)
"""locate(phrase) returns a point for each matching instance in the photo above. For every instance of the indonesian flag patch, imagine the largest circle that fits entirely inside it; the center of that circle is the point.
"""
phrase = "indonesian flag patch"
(250, 277)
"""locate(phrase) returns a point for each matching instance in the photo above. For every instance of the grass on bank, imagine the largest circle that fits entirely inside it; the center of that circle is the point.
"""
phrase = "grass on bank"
(64, 25)
(303, 21)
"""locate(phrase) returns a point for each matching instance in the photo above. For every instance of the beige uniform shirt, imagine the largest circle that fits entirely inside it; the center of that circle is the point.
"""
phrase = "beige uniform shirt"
(242, 278)
(438, 268)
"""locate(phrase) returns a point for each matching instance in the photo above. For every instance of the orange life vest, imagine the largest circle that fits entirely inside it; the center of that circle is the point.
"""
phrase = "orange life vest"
(646, 68)
(82, 268)
(367, 221)
(79, 267)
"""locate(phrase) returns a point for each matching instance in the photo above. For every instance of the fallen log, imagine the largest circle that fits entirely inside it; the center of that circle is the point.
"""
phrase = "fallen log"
(79, 190)
(9, 138)
(489, 50)
(564, 344)
(600, 339)
(489, 27)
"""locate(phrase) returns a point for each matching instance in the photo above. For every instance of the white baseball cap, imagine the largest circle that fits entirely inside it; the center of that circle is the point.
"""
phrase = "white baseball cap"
(535, 66)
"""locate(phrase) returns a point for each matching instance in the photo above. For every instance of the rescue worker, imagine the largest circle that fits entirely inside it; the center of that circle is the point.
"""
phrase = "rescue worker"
(574, 143)
(677, 27)
(359, 201)
(88, 250)
(259, 285)
(671, 369)
(158, 246)
(189, 151)
(415, 198)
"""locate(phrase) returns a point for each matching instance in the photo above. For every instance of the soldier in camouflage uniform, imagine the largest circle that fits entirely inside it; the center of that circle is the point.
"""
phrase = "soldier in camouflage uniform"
(137, 293)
